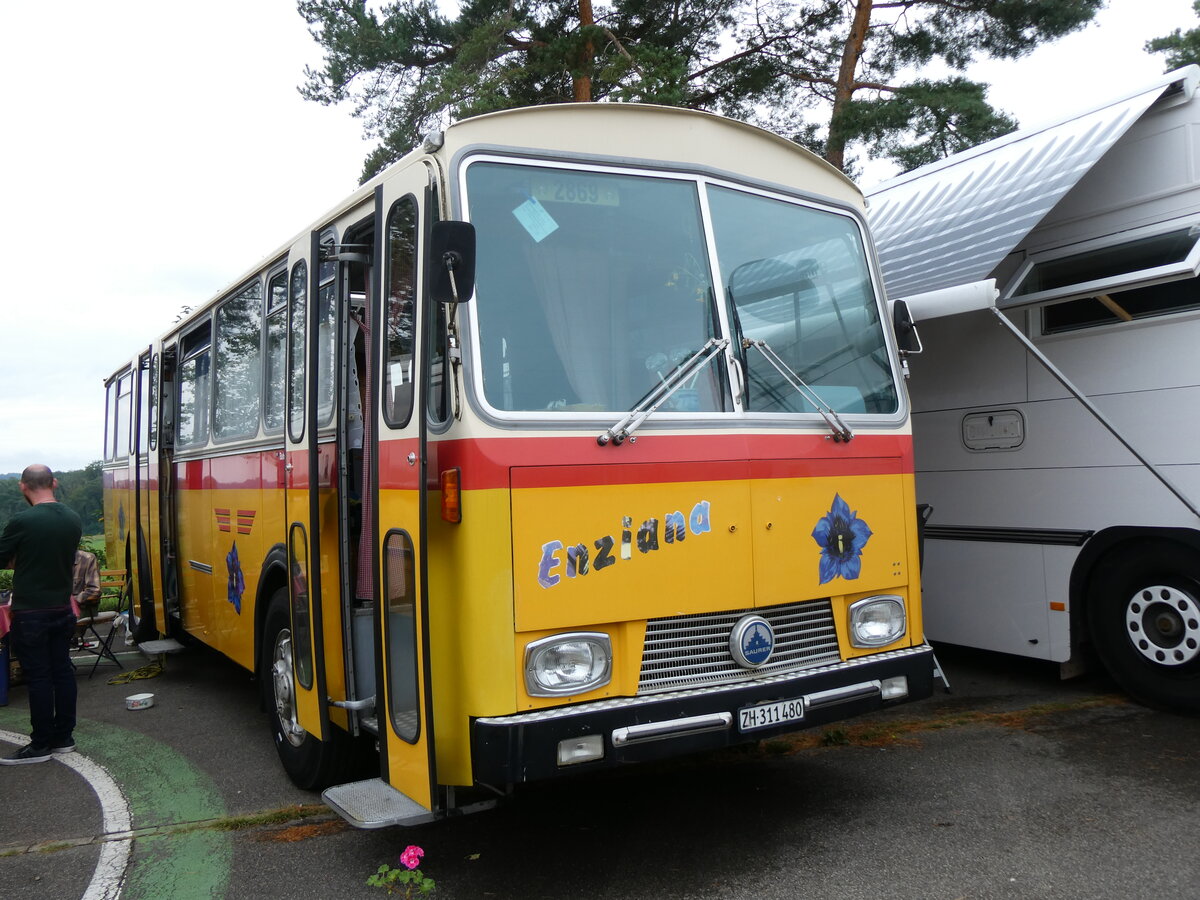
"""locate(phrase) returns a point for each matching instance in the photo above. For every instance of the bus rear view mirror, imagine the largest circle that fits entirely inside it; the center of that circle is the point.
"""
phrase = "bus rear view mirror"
(452, 262)
(907, 339)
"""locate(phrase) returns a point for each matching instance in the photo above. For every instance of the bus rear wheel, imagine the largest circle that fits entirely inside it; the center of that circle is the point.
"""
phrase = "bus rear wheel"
(1144, 619)
(308, 761)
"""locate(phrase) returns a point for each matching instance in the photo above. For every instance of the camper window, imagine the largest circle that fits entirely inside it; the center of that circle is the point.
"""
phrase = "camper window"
(1138, 303)
(1108, 262)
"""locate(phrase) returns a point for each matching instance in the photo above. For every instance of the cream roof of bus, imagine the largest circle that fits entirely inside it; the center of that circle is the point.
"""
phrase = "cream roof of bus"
(623, 131)
(644, 132)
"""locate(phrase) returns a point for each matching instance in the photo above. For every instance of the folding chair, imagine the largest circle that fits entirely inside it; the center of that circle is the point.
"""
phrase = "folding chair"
(91, 640)
(110, 580)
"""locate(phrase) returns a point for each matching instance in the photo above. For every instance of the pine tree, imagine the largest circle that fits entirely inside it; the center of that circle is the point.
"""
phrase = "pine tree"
(830, 74)
(1182, 47)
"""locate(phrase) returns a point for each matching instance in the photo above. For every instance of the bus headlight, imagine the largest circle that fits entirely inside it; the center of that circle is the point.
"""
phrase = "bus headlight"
(876, 621)
(568, 664)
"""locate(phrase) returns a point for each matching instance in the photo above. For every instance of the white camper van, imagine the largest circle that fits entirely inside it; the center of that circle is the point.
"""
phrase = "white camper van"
(1053, 277)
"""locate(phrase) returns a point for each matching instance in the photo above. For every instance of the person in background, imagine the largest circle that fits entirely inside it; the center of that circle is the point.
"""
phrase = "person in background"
(85, 584)
(85, 588)
(39, 545)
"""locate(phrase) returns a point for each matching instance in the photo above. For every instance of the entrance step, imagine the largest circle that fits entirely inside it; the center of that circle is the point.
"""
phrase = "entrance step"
(155, 648)
(374, 804)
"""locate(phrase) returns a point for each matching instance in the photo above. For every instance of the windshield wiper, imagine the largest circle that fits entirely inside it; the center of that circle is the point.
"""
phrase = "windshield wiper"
(841, 431)
(664, 389)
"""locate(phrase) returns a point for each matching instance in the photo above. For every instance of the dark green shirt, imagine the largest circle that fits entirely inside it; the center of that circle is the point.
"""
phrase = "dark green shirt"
(39, 545)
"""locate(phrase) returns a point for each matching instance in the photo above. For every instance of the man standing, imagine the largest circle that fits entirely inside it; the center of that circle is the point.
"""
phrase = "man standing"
(39, 545)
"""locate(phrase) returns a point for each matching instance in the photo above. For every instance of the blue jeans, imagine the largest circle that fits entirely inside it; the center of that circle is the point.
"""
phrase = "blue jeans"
(41, 640)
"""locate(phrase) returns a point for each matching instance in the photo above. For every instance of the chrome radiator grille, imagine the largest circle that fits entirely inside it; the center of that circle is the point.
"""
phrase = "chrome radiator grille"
(686, 651)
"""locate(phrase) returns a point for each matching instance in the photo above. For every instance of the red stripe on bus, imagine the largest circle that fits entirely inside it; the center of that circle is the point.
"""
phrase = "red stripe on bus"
(486, 463)
(563, 461)
(189, 475)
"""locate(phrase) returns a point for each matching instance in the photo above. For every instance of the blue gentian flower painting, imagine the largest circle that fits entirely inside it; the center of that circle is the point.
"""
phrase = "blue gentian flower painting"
(841, 535)
(237, 581)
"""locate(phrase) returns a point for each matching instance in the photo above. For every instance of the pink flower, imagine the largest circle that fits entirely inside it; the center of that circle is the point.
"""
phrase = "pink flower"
(411, 857)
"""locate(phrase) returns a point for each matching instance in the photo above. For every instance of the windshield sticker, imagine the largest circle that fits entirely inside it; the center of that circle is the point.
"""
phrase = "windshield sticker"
(535, 220)
(577, 560)
(841, 535)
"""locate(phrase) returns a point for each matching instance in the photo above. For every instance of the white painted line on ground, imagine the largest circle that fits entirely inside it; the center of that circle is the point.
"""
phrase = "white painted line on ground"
(114, 854)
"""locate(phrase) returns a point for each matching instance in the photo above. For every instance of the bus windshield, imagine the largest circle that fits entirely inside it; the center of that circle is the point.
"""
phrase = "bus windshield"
(593, 286)
(796, 277)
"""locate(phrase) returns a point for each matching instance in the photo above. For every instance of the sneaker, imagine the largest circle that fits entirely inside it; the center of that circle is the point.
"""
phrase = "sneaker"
(27, 754)
(67, 746)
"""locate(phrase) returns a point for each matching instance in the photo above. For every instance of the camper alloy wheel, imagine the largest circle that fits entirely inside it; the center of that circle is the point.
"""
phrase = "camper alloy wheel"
(1144, 616)
(1164, 624)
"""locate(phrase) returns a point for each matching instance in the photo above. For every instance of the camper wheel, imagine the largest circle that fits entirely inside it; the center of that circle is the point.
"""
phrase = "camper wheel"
(1144, 617)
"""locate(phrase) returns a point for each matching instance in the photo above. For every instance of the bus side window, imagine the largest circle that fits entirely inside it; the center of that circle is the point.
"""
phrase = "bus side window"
(144, 407)
(326, 332)
(401, 295)
(194, 386)
(238, 373)
(110, 419)
(297, 317)
(275, 352)
(438, 364)
(152, 401)
(124, 415)
(165, 390)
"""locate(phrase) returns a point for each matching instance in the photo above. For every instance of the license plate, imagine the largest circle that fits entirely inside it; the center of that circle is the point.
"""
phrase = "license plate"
(765, 715)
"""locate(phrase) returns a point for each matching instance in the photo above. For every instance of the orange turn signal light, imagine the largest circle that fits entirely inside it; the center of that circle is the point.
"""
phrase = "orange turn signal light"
(451, 499)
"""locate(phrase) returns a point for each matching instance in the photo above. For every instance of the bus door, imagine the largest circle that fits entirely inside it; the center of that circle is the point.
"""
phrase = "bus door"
(398, 467)
(293, 653)
(350, 315)
(162, 430)
(141, 569)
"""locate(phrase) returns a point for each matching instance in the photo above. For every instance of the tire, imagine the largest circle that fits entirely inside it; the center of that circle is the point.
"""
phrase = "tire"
(310, 762)
(1144, 619)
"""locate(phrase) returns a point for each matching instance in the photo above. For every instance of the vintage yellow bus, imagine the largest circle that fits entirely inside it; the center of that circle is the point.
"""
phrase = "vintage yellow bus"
(577, 437)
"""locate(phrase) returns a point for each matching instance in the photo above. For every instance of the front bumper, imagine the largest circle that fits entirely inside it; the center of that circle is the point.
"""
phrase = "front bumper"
(524, 747)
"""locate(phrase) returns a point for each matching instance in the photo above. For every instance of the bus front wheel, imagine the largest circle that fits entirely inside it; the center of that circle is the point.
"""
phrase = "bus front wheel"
(307, 760)
(1144, 619)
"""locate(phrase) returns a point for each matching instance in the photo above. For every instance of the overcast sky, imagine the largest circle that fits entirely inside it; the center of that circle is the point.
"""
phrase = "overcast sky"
(154, 151)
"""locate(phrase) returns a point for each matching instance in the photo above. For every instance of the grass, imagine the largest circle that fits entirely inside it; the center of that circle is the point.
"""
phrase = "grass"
(283, 816)
(273, 817)
(95, 543)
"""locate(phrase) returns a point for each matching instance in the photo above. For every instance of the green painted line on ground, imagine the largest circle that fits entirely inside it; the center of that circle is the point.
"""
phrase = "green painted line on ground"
(162, 788)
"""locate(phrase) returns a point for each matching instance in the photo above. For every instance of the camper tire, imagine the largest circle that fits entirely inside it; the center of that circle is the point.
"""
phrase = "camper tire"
(1144, 619)
(306, 759)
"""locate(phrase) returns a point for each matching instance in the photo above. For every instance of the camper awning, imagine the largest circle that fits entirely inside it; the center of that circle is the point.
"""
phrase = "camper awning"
(954, 221)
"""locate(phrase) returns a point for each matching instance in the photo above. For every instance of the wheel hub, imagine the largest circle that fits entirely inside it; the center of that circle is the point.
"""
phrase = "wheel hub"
(1163, 623)
(284, 689)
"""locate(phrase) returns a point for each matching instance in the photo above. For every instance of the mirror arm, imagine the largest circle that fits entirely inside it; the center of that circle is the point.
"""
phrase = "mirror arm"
(451, 259)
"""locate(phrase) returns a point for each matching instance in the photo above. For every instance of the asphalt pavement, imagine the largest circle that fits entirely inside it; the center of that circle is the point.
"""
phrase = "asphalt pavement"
(1013, 785)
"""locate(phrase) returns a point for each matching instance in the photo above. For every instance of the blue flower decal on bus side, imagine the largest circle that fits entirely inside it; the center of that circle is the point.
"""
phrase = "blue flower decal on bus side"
(841, 535)
(237, 581)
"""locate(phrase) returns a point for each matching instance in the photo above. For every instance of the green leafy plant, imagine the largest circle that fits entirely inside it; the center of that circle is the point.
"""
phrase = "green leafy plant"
(407, 881)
